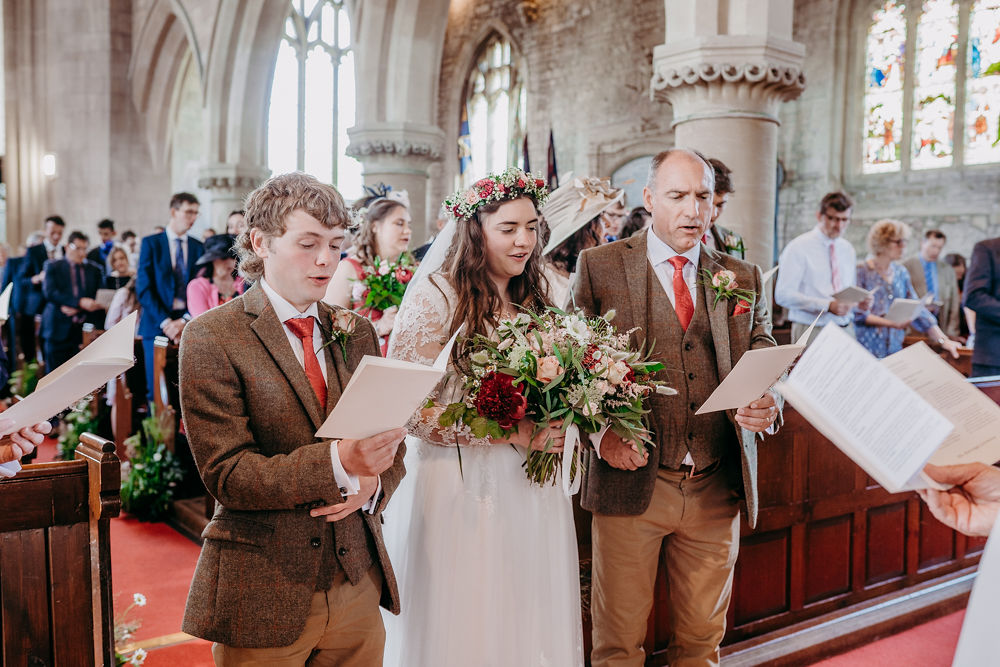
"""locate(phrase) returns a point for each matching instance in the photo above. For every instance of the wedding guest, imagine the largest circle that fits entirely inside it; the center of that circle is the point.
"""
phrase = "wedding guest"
(967, 318)
(573, 215)
(882, 272)
(118, 270)
(932, 275)
(718, 237)
(207, 234)
(637, 221)
(31, 277)
(488, 560)
(816, 265)
(982, 296)
(293, 568)
(236, 223)
(972, 503)
(383, 236)
(131, 244)
(106, 232)
(214, 283)
(16, 444)
(613, 219)
(681, 496)
(70, 289)
(123, 303)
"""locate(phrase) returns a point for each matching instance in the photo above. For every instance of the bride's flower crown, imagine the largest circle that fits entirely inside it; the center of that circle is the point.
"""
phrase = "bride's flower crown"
(511, 184)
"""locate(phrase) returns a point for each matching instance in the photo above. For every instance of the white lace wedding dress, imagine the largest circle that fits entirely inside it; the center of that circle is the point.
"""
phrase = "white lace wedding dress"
(487, 563)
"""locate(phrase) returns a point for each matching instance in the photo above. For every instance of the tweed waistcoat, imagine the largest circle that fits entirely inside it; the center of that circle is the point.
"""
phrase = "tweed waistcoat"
(691, 369)
(355, 562)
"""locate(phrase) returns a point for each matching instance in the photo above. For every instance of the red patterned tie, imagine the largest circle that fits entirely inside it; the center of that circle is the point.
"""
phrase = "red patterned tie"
(682, 295)
(303, 328)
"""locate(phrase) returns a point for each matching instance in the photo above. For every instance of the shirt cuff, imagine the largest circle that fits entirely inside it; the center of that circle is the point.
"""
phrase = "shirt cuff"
(348, 483)
(595, 440)
(164, 323)
(373, 501)
(10, 468)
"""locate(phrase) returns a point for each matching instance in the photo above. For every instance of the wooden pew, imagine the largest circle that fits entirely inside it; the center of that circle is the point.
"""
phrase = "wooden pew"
(165, 390)
(55, 559)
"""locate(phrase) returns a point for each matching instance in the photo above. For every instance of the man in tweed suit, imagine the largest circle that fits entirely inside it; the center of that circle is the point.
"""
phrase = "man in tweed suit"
(293, 567)
(686, 489)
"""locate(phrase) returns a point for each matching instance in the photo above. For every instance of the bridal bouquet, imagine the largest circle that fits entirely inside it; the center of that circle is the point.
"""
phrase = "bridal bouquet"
(381, 285)
(555, 366)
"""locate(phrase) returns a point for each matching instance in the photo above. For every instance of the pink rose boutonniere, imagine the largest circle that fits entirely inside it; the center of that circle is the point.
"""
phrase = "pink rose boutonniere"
(343, 324)
(724, 284)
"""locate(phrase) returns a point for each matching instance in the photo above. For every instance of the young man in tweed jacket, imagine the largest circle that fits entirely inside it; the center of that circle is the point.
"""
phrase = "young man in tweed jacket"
(293, 568)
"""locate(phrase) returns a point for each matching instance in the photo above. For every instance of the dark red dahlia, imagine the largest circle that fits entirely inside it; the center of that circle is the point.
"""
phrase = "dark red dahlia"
(498, 399)
(588, 360)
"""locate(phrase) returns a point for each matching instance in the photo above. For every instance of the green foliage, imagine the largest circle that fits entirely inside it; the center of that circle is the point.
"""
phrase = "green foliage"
(24, 380)
(79, 420)
(154, 471)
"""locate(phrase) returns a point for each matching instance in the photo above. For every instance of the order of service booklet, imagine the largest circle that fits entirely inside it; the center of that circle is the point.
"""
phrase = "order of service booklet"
(363, 410)
(895, 415)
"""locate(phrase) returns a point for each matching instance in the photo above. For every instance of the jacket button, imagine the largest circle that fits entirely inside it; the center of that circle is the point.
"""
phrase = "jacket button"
(690, 436)
(694, 406)
(688, 346)
(316, 542)
(690, 376)
(342, 551)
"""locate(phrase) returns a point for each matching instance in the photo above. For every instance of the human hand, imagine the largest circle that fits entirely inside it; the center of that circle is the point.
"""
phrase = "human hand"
(760, 414)
(383, 327)
(353, 503)
(38, 278)
(549, 438)
(88, 304)
(14, 445)
(867, 304)
(900, 325)
(370, 456)
(620, 454)
(68, 311)
(971, 505)
(840, 308)
(951, 346)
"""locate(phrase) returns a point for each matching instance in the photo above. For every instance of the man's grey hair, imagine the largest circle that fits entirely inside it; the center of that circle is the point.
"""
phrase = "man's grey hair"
(662, 156)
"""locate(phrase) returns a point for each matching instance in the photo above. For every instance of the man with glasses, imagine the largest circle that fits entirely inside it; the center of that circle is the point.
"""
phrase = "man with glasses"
(70, 287)
(815, 266)
(167, 262)
(613, 219)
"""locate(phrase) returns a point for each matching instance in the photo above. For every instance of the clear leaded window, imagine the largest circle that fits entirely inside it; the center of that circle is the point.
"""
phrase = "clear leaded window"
(493, 113)
(944, 108)
(312, 96)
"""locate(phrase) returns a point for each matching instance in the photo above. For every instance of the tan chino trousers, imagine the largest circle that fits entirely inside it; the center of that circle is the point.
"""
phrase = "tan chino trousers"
(699, 518)
(344, 629)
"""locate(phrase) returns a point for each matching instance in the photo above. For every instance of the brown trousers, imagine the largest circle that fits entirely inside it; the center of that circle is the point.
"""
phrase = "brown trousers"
(699, 519)
(344, 629)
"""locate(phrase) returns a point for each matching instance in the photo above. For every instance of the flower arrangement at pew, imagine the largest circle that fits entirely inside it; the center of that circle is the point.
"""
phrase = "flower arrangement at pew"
(556, 366)
(80, 419)
(153, 472)
(125, 629)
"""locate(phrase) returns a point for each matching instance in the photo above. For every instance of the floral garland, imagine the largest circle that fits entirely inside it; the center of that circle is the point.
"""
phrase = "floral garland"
(511, 184)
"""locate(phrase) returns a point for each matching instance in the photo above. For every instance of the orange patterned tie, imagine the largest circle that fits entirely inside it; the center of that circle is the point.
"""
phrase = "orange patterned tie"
(303, 328)
(682, 295)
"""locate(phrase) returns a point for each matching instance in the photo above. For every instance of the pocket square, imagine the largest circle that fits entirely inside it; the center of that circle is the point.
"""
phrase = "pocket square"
(742, 306)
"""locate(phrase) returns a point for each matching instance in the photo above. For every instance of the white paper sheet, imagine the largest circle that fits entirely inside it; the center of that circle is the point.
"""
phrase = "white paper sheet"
(977, 645)
(852, 294)
(363, 409)
(5, 302)
(106, 358)
(904, 310)
(865, 409)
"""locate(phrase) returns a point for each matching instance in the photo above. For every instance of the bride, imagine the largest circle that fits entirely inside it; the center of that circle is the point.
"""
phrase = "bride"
(487, 562)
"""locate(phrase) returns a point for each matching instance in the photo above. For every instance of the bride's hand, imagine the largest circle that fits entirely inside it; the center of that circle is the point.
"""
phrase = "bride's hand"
(549, 439)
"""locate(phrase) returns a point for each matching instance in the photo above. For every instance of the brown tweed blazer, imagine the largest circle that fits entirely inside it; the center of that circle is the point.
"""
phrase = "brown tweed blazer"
(251, 415)
(614, 277)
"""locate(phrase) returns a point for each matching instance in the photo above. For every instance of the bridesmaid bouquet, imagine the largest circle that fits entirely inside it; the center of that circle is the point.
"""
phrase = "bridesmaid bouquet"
(553, 366)
(381, 286)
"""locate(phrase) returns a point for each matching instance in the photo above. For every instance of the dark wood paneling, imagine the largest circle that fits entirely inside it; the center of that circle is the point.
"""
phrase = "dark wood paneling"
(70, 595)
(27, 636)
(885, 547)
(937, 541)
(827, 558)
(760, 585)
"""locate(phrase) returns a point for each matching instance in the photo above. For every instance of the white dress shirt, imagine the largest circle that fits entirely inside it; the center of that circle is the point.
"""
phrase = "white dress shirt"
(805, 280)
(348, 483)
(53, 251)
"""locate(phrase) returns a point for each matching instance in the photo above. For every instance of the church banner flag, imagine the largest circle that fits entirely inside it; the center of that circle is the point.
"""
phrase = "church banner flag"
(553, 172)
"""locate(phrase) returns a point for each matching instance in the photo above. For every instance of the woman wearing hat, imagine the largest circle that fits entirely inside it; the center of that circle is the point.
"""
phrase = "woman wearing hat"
(215, 283)
(573, 214)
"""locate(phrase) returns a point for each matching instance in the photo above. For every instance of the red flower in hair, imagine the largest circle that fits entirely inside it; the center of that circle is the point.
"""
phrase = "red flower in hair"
(498, 399)
(521, 184)
(539, 183)
(485, 188)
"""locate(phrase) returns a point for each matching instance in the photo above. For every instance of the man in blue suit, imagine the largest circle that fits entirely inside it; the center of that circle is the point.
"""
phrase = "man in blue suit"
(166, 264)
(70, 288)
(31, 276)
(982, 295)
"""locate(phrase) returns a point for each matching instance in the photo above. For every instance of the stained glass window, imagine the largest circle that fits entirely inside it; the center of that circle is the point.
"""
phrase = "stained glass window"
(494, 108)
(312, 96)
(934, 86)
(883, 102)
(982, 91)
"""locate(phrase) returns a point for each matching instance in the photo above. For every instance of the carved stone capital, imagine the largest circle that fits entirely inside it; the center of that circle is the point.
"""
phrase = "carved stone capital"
(401, 148)
(231, 178)
(785, 81)
(396, 145)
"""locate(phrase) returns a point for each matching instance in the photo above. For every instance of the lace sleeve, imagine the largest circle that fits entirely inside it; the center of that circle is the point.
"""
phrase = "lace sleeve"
(420, 333)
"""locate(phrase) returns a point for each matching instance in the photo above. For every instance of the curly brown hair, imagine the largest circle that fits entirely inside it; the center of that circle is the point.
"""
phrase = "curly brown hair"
(364, 237)
(269, 205)
(479, 303)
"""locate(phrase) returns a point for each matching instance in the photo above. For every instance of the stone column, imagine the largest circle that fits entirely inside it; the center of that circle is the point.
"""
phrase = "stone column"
(726, 67)
(399, 154)
(229, 184)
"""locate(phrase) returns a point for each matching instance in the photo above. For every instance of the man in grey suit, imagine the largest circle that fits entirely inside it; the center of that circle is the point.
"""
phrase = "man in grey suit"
(929, 273)
(686, 489)
(982, 295)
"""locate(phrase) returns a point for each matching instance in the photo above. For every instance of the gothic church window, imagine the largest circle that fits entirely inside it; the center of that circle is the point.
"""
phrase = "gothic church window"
(493, 113)
(932, 85)
(312, 96)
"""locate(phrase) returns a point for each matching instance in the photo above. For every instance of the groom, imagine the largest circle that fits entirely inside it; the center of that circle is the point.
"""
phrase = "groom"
(685, 490)
(293, 567)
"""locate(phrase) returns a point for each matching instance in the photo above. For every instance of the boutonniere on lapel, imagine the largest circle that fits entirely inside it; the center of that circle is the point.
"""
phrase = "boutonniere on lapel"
(724, 284)
(342, 325)
(734, 243)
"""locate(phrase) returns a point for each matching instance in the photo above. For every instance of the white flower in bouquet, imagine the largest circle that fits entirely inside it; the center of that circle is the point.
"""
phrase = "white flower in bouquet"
(577, 327)
(617, 372)
(480, 358)
(358, 291)
(548, 369)
(504, 344)
(384, 268)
